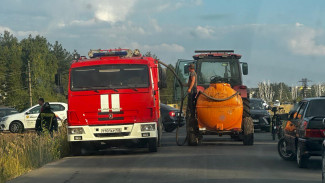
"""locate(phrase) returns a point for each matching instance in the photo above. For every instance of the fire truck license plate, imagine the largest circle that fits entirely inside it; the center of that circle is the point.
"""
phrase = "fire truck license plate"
(111, 130)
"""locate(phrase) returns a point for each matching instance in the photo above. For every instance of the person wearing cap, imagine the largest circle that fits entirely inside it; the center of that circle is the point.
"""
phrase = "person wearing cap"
(46, 120)
(192, 87)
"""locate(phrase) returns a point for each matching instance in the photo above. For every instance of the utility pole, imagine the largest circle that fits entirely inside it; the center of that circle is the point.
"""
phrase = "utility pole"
(30, 86)
(304, 82)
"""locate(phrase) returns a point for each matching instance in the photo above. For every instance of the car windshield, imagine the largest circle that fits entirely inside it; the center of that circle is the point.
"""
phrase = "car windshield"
(6, 112)
(256, 104)
(316, 108)
(109, 77)
(223, 68)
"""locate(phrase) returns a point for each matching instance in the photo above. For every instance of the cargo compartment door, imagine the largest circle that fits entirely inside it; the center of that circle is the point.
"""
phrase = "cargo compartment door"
(183, 74)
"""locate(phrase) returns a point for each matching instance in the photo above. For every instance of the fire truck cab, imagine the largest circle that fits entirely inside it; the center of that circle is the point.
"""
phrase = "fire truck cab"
(113, 100)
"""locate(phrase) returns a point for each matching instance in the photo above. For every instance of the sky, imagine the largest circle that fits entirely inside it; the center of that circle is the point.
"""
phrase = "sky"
(281, 40)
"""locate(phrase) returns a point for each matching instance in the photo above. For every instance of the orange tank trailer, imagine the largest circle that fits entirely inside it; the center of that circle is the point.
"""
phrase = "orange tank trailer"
(220, 115)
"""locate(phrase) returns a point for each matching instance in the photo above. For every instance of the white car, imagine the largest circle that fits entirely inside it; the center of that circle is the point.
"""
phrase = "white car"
(27, 119)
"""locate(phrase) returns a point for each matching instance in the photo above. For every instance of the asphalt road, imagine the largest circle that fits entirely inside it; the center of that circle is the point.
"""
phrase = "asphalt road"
(215, 160)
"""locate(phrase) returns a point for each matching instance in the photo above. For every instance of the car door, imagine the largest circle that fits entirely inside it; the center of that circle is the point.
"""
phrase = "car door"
(294, 125)
(31, 116)
(60, 111)
(183, 74)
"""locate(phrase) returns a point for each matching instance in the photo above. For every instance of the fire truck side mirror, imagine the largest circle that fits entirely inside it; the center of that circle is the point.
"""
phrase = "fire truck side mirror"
(245, 68)
(162, 78)
(58, 79)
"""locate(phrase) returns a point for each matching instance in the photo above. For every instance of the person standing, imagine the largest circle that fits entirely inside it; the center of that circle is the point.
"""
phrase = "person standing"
(46, 120)
(192, 87)
(41, 103)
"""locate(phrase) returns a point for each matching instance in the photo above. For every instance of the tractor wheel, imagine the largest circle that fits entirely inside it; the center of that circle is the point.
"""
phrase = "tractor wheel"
(246, 108)
(193, 140)
(248, 128)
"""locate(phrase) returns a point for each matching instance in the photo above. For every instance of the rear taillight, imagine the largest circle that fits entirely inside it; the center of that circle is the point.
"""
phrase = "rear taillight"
(172, 114)
(314, 133)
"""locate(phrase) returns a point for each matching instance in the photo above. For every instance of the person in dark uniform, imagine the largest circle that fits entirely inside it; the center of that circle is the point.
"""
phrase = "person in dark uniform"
(41, 103)
(46, 120)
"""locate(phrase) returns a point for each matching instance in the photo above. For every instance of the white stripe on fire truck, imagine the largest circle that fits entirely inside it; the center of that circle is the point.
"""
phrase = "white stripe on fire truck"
(115, 102)
(104, 103)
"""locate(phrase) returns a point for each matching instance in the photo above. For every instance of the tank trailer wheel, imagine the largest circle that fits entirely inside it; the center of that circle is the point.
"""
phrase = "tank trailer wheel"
(248, 128)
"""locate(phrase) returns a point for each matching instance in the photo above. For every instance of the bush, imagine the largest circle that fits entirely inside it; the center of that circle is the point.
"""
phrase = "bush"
(20, 153)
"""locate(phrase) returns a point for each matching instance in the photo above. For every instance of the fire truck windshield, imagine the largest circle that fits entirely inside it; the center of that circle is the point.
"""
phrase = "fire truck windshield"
(109, 77)
(223, 68)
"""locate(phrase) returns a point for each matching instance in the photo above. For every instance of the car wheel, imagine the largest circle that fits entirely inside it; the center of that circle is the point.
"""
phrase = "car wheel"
(15, 127)
(323, 166)
(301, 160)
(283, 152)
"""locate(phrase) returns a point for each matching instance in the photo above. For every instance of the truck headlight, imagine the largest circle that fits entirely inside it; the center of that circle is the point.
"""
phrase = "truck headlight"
(148, 127)
(76, 131)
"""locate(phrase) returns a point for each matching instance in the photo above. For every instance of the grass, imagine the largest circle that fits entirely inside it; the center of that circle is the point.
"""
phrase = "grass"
(20, 153)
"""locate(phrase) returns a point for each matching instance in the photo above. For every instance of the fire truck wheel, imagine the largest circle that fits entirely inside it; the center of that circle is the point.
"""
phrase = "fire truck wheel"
(248, 128)
(246, 108)
(75, 148)
(160, 129)
(152, 144)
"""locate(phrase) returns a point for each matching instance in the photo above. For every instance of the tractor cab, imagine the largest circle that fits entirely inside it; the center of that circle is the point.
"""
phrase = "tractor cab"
(221, 66)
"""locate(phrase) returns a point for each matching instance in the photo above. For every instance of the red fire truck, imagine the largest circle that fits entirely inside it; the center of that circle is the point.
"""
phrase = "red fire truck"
(113, 100)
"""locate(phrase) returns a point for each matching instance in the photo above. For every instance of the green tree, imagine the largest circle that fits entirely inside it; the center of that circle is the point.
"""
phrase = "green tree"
(14, 92)
(64, 59)
(44, 66)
